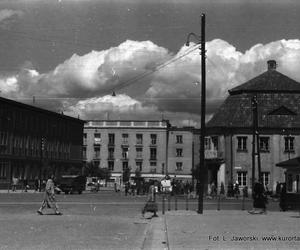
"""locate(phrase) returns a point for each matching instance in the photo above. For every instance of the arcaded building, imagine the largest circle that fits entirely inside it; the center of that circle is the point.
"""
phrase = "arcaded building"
(267, 105)
(35, 141)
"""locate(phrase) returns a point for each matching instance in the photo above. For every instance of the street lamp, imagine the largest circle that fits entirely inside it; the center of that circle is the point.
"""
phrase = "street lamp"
(202, 173)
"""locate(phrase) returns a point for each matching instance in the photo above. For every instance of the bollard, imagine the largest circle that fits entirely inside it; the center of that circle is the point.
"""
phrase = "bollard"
(187, 202)
(163, 203)
(175, 198)
(169, 202)
(243, 203)
(219, 201)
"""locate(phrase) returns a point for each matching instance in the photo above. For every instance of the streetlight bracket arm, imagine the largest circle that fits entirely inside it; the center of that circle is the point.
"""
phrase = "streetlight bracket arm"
(192, 34)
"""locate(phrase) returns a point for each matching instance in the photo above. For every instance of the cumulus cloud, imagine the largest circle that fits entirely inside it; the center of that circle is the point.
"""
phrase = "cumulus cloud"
(113, 106)
(150, 82)
(8, 16)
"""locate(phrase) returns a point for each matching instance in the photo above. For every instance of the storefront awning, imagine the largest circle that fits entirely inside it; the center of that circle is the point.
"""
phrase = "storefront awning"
(291, 163)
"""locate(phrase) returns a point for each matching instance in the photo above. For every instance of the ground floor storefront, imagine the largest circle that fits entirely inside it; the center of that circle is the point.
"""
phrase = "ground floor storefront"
(30, 172)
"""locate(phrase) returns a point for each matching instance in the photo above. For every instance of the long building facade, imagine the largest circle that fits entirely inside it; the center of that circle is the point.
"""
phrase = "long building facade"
(155, 148)
(121, 145)
(35, 141)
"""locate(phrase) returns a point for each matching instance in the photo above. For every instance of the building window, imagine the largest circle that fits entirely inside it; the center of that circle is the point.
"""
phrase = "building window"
(242, 143)
(111, 153)
(289, 144)
(153, 165)
(242, 178)
(124, 153)
(139, 165)
(265, 177)
(179, 152)
(215, 142)
(179, 139)
(124, 138)
(178, 166)
(139, 139)
(153, 139)
(207, 143)
(139, 153)
(3, 169)
(97, 138)
(111, 139)
(111, 165)
(84, 138)
(84, 152)
(96, 164)
(97, 153)
(264, 144)
(125, 165)
(153, 153)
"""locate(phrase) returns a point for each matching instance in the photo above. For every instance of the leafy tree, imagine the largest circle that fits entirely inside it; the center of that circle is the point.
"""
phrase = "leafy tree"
(92, 170)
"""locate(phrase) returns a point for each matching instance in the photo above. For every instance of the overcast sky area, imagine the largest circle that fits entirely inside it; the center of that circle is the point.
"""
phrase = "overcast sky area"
(71, 55)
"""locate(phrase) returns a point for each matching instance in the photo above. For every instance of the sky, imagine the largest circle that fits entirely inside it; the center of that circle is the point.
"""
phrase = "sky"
(71, 55)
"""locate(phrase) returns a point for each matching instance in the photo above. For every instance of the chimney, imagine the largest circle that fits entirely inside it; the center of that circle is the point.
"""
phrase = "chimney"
(272, 65)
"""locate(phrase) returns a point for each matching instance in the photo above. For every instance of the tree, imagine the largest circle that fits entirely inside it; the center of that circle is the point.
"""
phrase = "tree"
(104, 174)
(93, 170)
(90, 169)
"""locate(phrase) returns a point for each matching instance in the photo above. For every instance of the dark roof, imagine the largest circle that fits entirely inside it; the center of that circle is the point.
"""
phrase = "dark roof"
(294, 162)
(270, 81)
(278, 99)
(236, 111)
(37, 109)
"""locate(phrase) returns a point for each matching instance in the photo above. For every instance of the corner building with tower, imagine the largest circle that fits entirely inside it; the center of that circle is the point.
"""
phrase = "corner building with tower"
(268, 106)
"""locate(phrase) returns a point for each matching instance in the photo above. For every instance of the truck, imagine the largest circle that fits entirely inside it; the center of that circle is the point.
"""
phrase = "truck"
(69, 184)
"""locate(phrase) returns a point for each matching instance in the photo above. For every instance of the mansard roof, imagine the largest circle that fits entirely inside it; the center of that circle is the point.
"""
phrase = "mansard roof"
(278, 98)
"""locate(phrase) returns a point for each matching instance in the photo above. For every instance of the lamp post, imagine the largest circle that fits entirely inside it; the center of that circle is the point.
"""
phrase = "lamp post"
(202, 173)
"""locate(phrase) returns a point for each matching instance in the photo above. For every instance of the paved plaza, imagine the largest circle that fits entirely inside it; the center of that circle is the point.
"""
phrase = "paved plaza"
(108, 220)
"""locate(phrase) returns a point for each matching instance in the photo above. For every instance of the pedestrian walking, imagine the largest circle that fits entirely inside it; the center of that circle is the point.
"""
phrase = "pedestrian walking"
(15, 181)
(151, 205)
(49, 200)
(36, 184)
(236, 189)
(25, 185)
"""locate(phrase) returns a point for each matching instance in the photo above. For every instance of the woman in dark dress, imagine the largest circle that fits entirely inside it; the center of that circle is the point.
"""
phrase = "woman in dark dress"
(282, 202)
(259, 199)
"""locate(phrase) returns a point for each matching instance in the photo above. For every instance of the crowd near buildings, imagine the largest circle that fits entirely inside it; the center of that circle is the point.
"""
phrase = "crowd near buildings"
(33, 139)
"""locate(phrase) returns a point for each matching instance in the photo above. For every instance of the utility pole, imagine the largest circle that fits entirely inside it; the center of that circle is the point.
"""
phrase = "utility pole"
(255, 141)
(202, 173)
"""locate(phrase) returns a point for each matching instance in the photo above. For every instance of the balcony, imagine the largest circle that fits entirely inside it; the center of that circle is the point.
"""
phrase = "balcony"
(213, 154)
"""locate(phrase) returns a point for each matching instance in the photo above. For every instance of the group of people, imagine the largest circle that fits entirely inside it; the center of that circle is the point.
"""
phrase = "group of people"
(153, 187)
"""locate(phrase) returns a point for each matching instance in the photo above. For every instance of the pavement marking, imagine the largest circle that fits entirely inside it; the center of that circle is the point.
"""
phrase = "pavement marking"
(166, 233)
